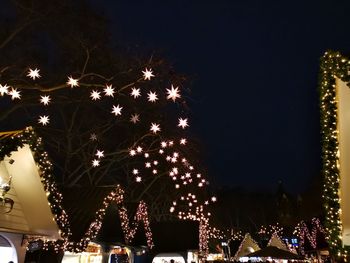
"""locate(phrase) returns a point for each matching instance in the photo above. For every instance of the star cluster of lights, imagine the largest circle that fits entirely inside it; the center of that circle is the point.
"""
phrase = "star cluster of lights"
(168, 159)
(270, 230)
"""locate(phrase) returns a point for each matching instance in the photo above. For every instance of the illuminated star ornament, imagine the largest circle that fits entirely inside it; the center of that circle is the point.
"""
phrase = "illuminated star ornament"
(99, 154)
(152, 96)
(95, 163)
(117, 110)
(173, 93)
(109, 91)
(15, 94)
(44, 120)
(147, 74)
(155, 128)
(93, 137)
(183, 141)
(95, 95)
(138, 179)
(33, 73)
(135, 93)
(45, 99)
(183, 123)
(4, 89)
(135, 118)
(72, 82)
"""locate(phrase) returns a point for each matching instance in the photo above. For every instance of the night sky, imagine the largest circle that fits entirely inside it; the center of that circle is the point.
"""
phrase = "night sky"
(254, 67)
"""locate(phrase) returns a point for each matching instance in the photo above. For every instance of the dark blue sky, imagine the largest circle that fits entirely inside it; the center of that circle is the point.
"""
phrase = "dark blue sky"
(255, 69)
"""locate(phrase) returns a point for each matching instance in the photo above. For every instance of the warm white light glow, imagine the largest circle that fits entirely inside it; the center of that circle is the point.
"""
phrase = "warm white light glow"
(139, 149)
(152, 96)
(45, 99)
(33, 73)
(72, 82)
(147, 74)
(99, 154)
(135, 93)
(173, 93)
(95, 95)
(44, 120)
(182, 123)
(155, 128)
(15, 94)
(95, 163)
(183, 141)
(109, 91)
(138, 179)
(117, 110)
(4, 89)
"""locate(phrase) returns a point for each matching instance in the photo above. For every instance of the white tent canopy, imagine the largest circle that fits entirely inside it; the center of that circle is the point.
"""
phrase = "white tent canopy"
(31, 213)
(247, 246)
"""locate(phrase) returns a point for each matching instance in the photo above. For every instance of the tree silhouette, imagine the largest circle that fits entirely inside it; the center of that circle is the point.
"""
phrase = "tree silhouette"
(97, 107)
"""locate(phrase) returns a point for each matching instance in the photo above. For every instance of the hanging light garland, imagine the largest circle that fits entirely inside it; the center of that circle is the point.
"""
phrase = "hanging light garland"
(333, 65)
(303, 232)
(188, 176)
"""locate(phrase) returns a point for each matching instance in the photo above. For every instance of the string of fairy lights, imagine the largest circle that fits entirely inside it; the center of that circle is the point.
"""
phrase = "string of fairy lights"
(303, 232)
(29, 137)
(333, 65)
(168, 153)
(271, 229)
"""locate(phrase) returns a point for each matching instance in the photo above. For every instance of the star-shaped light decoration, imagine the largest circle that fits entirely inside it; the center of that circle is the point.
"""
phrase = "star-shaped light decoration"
(33, 73)
(152, 96)
(138, 179)
(135, 93)
(183, 141)
(95, 163)
(95, 95)
(155, 128)
(45, 99)
(139, 149)
(183, 123)
(135, 118)
(72, 82)
(135, 171)
(15, 94)
(132, 152)
(4, 89)
(109, 91)
(93, 137)
(147, 74)
(213, 199)
(44, 120)
(117, 110)
(148, 164)
(173, 93)
(99, 154)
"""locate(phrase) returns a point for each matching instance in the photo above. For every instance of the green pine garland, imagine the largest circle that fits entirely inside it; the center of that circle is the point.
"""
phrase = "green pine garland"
(333, 65)
(28, 136)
